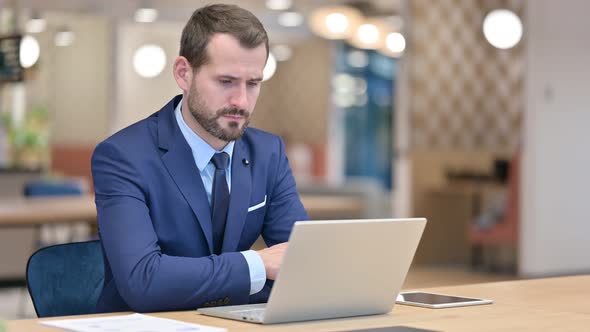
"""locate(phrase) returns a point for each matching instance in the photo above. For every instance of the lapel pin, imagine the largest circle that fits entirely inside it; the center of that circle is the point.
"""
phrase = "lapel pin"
(245, 161)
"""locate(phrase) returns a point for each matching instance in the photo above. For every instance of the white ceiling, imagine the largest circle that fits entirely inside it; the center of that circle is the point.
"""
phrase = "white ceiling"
(180, 11)
(177, 10)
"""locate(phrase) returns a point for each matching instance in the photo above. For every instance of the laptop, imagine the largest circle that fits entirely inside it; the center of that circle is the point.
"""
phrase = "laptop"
(336, 268)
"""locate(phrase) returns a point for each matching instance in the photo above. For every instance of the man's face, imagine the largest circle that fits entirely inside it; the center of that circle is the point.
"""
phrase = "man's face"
(224, 91)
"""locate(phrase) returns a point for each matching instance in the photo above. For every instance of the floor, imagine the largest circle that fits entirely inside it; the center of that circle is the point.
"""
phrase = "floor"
(15, 303)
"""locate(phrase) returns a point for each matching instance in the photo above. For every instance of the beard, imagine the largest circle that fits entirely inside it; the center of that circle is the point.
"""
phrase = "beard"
(209, 119)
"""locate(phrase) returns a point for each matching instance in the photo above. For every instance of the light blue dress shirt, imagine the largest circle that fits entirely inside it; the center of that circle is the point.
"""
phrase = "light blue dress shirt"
(202, 153)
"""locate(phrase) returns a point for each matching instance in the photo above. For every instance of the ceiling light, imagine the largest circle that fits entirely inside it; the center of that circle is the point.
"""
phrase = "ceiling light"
(29, 51)
(282, 52)
(149, 60)
(502, 28)
(270, 68)
(357, 58)
(337, 22)
(36, 23)
(278, 4)
(369, 35)
(64, 37)
(395, 42)
(290, 19)
(146, 15)
(343, 83)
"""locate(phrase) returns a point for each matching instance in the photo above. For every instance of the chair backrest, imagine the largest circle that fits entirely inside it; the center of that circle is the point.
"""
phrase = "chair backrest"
(66, 279)
(52, 188)
(506, 230)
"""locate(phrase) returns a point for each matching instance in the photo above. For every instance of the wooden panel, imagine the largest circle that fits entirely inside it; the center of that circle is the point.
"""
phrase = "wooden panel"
(445, 238)
(72, 160)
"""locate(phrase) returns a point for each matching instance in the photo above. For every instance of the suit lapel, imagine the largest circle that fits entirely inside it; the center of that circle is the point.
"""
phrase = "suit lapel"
(181, 165)
(241, 187)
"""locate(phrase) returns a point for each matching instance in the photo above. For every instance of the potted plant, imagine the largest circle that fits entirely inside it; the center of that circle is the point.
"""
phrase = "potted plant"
(28, 141)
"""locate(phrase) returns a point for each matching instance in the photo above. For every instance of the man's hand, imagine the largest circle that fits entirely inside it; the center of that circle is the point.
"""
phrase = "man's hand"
(273, 258)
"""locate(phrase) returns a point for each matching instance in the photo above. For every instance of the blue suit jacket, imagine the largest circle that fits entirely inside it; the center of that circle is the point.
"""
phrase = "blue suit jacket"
(155, 221)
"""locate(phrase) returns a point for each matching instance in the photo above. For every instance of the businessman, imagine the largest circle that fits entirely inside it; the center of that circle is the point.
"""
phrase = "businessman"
(182, 195)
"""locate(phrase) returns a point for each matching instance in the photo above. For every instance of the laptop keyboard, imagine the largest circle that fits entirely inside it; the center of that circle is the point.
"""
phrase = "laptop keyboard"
(255, 314)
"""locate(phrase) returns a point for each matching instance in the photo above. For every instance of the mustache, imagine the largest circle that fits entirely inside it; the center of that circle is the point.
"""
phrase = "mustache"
(233, 111)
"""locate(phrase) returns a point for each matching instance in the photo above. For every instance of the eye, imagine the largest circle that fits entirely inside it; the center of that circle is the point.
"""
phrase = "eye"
(225, 81)
(253, 84)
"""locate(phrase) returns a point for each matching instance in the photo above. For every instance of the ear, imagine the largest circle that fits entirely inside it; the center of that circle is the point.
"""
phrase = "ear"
(183, 73)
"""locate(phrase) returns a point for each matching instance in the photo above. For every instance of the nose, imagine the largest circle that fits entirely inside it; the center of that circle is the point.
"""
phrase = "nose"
(239, 98)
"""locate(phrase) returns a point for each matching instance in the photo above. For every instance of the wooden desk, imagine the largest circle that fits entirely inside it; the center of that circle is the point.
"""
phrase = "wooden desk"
(28, 212)
(48, 210)
(555, 304)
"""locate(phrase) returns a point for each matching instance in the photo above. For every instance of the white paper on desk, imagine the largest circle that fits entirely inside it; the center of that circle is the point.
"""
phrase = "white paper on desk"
(129, 323)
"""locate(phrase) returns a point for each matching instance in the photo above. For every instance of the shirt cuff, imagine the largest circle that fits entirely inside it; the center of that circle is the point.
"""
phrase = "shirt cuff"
(257, 270)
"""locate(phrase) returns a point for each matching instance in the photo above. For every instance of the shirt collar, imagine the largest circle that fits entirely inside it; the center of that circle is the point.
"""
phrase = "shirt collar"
(202, 151)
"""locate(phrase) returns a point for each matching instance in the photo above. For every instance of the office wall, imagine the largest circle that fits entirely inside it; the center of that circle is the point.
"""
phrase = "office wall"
(466, 98)
(465, 94)
(74, 82)
(137, 97)
(555, 215)
(293, 103)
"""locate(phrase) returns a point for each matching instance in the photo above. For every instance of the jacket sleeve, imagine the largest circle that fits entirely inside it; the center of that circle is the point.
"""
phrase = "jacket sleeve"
(146, 278)
(285, 207)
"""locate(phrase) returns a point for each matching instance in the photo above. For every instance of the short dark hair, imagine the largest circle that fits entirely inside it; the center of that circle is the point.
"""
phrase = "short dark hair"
(219, 18)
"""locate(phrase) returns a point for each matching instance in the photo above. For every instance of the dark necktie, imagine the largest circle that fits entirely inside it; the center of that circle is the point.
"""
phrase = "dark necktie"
(220, 200)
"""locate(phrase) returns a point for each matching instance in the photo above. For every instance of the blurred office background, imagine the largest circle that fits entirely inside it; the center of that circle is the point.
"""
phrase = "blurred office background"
(471, 113)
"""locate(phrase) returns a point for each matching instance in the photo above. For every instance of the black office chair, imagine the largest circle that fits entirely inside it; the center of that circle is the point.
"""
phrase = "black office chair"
(66, 279)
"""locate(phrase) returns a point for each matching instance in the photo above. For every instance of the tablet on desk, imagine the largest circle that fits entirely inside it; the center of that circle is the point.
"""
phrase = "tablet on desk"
(435, 301)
